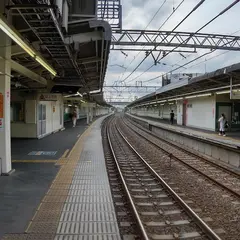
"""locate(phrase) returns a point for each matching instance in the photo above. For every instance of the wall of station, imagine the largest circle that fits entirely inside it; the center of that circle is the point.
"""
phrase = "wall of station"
(102, 111)
(35, 115)
(82, 111)
(200, 112)
(68, 110)
(196, 112)
(156, 111)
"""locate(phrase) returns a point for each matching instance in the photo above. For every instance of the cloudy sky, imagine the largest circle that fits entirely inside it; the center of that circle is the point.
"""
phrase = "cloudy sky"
(137, 15)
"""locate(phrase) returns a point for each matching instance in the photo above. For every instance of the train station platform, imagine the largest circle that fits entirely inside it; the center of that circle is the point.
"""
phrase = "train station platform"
(66, 199)
(232, 138)
(49, 148)
(207, 142)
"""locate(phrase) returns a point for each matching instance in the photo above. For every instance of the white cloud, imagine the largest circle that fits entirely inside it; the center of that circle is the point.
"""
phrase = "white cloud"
(138, 13)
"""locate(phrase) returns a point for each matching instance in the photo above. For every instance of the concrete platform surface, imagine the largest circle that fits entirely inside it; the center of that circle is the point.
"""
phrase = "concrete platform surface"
(21, 193)
(51, 147)
(88, 209)
(77, 204)
(232, 139)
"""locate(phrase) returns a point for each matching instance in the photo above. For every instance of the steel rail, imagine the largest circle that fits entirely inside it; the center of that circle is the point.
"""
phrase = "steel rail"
(207, 230)
(135, 212)
(186, 164)
(188, 152)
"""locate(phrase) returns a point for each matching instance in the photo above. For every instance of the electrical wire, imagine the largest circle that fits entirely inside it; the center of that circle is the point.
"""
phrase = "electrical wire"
(218, 15)
(203, 55)
(161, 6)
(193, 10)
(135, 57)
(213, 56)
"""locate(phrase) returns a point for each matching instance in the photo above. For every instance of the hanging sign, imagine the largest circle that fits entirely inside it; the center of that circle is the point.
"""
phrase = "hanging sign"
(87, 104)
(47, 97)
(1, 105)
(235, 94)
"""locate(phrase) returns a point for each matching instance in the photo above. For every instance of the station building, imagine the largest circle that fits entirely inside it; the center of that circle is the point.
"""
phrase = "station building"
(197, 102)
(53, 60)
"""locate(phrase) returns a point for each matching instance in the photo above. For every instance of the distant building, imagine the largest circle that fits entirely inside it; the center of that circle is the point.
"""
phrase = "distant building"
(172, 78)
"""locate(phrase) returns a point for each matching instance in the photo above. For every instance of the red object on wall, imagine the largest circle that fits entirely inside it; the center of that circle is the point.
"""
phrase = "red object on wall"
(1, 105)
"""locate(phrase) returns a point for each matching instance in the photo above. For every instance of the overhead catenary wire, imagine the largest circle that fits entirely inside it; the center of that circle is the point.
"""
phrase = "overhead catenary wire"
(193, 10)
(135, 57)
(203, 55)
(218, 15)
(212, 52)
(161, 6)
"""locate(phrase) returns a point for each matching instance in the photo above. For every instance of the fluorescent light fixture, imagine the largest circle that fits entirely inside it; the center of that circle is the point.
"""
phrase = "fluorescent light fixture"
(161, 101)
(204, 95)
(177, 99)
(151, 103)
(46, 65)
(95, 91)
(223, 92)
(188, 97)
(170, 103)
(162, 104)
(18, 40)
(79, 94)
(70, 105)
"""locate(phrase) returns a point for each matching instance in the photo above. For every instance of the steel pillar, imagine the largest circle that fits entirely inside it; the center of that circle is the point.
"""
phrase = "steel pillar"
(5, 88)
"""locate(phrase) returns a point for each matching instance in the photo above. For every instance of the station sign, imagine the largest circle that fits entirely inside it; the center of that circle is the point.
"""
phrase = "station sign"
(235, 95)
(88, 104)
(48, 97)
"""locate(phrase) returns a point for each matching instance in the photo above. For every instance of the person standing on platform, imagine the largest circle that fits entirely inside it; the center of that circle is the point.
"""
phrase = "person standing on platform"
(74, 118)
(222, 122)
(171, 117)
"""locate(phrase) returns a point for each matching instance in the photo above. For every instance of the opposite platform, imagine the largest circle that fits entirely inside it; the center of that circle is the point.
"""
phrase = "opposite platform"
(231, 141)
(200, 142)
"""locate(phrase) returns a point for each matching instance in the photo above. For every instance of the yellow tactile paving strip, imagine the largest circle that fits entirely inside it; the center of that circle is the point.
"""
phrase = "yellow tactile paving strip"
(34, 161)
(45, 220)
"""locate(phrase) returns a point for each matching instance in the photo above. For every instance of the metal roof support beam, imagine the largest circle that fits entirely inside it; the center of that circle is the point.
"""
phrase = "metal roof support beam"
(27, 73)
(17, 50)
(153, 50)
(30, 6)
(67, 47)
(84, 37)
(175, 39)
(88, 60)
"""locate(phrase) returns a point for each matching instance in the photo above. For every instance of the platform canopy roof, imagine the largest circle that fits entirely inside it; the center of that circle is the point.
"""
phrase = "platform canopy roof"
(77, 50)
(209, 82)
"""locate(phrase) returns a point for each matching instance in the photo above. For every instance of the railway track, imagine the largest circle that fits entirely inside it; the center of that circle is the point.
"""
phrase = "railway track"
(219, 175)
(158, 211)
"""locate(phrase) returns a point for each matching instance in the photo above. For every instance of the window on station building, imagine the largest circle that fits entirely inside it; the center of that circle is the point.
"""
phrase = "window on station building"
(17, 112)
